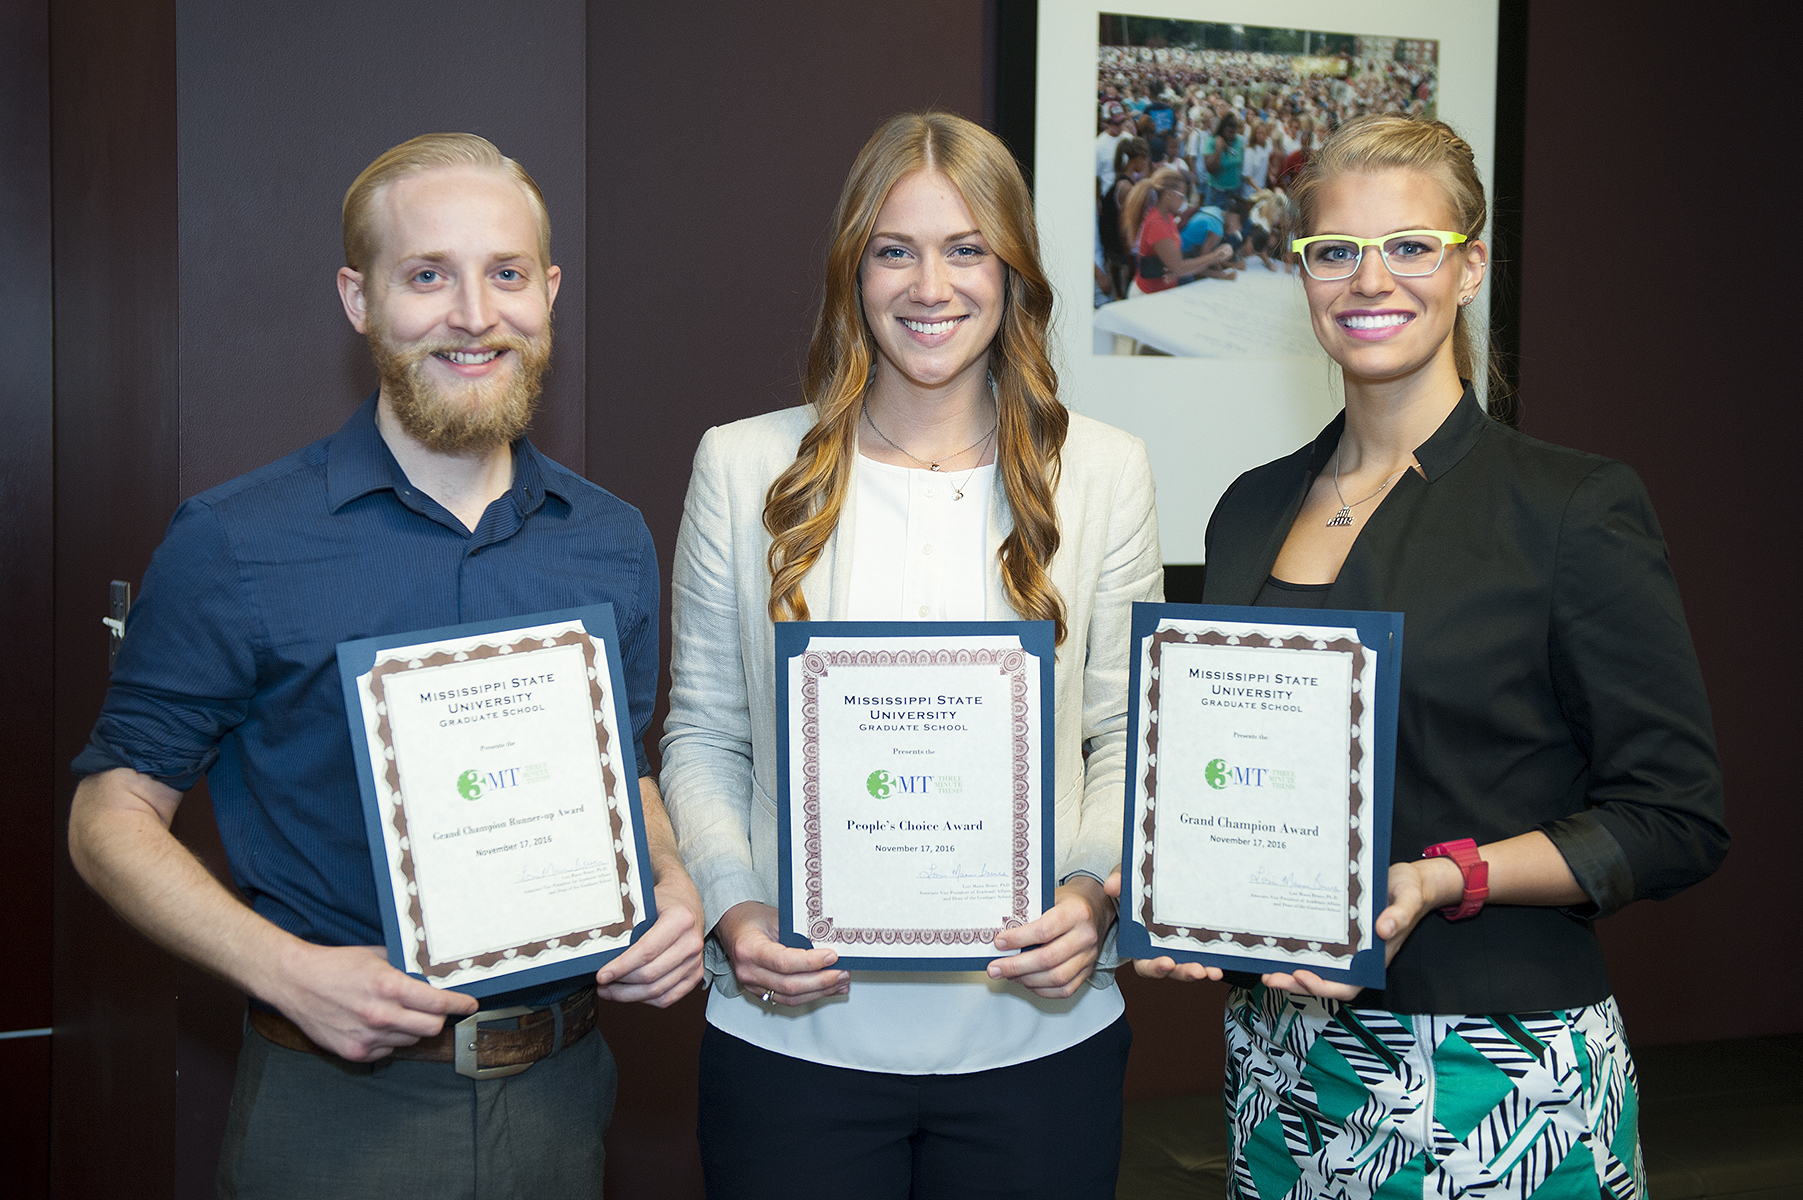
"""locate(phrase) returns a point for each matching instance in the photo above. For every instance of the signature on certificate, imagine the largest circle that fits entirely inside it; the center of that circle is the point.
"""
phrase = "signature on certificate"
(1292, 882)
(960, 871)
(551, 870)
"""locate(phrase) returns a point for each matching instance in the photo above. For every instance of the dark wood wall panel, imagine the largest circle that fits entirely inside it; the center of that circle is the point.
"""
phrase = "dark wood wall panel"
(25, 1111)
(1636, 346)
(113, 150)
(28, 801)
(280, 106)
(695, 324)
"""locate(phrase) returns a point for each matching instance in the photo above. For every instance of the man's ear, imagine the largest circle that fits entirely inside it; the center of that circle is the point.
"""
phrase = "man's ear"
(356, 302)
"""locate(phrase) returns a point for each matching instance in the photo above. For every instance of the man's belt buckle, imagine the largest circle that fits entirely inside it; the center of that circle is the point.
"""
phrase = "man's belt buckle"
(465, 1044)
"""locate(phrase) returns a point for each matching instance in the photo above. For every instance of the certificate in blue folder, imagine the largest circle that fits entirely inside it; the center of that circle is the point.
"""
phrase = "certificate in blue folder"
(914, 762)
(500, 795)
(1260, 759)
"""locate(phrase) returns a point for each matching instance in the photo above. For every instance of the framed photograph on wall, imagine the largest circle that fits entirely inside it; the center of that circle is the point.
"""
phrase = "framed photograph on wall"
(1223, 373)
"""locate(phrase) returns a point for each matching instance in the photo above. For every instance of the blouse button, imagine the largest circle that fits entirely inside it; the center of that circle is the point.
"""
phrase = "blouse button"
(927, 549)
(929, 493)
(924, 610)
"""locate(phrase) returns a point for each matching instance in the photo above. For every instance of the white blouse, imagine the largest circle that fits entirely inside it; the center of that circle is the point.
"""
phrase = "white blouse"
(939, 537)
(919, 555)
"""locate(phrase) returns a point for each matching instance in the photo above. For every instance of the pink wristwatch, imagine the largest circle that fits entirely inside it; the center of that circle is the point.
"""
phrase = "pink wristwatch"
(1475, 870)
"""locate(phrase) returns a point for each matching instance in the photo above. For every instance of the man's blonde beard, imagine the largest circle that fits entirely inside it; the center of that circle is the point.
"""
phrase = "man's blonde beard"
(457, 418)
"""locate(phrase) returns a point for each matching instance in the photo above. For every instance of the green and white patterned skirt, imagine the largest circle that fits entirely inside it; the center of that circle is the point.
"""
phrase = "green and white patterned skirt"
(1330, 1102)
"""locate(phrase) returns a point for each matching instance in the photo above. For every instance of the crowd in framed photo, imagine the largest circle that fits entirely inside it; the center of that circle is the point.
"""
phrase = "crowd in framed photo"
(1196, 151)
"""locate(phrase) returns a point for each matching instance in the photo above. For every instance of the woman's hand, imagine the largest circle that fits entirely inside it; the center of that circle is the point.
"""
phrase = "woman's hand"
(1067, 940)
(1416, 889)
(1163, 967)
(763, 964)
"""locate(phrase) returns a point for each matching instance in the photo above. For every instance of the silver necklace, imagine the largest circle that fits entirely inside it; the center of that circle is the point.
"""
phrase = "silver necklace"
(1344, 516)
(957, 488)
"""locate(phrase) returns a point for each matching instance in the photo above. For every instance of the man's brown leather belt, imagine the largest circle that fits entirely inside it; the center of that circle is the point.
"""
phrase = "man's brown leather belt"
(478, 1051)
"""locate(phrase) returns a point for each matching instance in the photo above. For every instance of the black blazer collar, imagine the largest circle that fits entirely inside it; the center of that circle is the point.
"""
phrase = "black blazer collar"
(1452, 441)
(1457, 434)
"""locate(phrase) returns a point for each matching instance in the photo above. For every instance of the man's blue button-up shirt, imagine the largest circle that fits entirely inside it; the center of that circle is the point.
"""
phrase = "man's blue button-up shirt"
(229, 666)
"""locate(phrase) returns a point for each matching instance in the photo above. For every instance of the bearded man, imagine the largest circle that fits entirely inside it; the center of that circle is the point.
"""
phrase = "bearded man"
(427, 508)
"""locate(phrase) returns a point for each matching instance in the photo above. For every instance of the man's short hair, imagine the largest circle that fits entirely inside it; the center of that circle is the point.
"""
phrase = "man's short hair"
(424, 153)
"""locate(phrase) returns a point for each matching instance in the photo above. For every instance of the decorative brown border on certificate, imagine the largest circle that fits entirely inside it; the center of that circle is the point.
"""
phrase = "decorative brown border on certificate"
(1011, 662)
(1355, 790)
(422, 954)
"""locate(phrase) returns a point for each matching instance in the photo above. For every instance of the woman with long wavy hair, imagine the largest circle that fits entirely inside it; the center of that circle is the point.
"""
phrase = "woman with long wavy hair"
(933, 474)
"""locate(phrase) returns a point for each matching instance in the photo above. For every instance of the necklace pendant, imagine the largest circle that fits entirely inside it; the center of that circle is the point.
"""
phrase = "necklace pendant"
(957, 494)
(1341, 518)
(933, 467)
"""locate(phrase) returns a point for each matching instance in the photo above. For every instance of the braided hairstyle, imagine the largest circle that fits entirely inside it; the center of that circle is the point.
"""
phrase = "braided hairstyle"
(1387, 141)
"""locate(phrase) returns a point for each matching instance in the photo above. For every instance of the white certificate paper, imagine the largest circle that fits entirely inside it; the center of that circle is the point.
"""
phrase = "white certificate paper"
(503, 798)
(916, 769)
(1253, 822)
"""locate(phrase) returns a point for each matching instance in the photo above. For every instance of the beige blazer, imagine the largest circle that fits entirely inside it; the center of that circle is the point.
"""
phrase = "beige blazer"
(719, 746)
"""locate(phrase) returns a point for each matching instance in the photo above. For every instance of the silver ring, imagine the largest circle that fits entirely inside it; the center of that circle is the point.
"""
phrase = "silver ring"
(766, 996)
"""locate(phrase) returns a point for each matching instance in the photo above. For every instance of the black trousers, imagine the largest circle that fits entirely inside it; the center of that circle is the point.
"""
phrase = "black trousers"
(781, 1127)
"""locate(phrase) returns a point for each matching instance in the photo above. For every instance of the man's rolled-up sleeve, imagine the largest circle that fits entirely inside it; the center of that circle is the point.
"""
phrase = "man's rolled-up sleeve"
(188, 665)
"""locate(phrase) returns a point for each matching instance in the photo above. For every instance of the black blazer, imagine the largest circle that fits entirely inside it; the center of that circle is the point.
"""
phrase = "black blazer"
(1548, 682)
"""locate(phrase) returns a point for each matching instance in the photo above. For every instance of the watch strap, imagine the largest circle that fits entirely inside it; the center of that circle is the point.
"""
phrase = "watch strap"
(1475, 870)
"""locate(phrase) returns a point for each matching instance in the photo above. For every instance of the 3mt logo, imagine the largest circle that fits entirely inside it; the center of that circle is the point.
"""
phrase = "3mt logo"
(473, 785)
(1221, 774)
(882, 784)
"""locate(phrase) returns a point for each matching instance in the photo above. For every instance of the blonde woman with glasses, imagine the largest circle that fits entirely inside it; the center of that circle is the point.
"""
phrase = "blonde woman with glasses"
(933, 474)
(1555, 759)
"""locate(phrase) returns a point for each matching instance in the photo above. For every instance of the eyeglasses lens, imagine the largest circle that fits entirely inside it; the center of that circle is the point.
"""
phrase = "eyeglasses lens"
(1411, 254)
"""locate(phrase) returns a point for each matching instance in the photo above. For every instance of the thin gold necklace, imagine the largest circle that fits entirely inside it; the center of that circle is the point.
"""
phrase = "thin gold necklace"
(957, 488)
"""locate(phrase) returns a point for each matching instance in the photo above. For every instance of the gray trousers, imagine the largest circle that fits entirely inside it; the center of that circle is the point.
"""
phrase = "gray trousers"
(304, 1126)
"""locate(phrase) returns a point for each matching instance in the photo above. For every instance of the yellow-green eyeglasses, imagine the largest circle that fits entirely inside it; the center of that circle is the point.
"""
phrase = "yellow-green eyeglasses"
(1412, 252)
